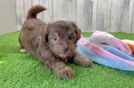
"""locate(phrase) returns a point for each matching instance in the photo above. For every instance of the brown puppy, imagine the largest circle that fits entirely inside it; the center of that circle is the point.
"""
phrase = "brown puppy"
(53, 44)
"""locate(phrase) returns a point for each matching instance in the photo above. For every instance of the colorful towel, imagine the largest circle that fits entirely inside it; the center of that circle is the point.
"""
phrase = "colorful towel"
(105, 55)
(130, 44)
(100, 37)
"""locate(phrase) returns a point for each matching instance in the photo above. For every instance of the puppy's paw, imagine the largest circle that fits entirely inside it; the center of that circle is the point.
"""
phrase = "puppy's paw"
(22, 50)
(83, 62)
(86, 63)
(65, 72)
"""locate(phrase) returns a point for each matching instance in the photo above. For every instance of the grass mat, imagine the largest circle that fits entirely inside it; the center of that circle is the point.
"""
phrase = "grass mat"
(19, 70)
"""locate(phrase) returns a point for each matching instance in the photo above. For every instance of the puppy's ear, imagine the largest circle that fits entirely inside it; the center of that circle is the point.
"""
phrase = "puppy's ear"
(77, 30)
(45, 35)
(78, 33)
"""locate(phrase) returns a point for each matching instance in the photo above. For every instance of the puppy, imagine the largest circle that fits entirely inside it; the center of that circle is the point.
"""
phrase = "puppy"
(53, 44)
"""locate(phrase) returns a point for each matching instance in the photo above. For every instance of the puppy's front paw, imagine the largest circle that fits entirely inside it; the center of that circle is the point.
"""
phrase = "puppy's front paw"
(83, 62)
(80, 60)
(65, 72)
(86, 63)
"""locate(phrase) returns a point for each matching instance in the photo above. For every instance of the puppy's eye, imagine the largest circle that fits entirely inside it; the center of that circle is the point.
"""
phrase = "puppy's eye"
(54, 39)
(70, 38)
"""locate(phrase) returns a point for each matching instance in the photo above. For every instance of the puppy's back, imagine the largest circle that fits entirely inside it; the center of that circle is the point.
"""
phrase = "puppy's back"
(32, 22)
(31, 30)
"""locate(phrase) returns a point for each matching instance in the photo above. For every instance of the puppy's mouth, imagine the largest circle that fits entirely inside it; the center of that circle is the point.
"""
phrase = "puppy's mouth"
(62, 56)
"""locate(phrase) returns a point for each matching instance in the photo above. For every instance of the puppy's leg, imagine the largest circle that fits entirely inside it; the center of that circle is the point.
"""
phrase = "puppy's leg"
(80, 60)
(61, 69)
(22, 49)
(58, 66)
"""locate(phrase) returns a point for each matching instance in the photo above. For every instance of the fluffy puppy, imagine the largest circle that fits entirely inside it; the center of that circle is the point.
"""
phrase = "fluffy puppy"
(53, 44)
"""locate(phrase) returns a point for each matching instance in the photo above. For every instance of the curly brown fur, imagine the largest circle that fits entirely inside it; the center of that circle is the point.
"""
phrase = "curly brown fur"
(53, 44)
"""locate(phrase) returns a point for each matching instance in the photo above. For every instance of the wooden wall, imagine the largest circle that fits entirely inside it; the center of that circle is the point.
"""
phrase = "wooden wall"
(90, 15)
(7, 16)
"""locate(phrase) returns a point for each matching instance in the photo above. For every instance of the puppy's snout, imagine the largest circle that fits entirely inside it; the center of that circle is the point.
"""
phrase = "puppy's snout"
(65, 49)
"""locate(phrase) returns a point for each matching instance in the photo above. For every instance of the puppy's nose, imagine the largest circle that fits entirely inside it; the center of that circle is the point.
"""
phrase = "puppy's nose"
(65, 50)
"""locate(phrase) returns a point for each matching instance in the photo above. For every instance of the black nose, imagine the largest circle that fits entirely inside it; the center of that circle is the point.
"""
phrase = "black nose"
(65, 50)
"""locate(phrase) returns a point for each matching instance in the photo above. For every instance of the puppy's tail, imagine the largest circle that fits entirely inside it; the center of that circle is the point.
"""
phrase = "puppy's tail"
(32, 13)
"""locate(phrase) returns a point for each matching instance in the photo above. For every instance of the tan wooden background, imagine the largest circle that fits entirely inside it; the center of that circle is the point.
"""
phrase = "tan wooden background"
(90, 15)
(7, 16)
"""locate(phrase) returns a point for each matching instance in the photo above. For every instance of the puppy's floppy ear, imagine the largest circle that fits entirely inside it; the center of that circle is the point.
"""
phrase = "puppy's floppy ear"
(77, 30)
(44, 35)
(78, 33)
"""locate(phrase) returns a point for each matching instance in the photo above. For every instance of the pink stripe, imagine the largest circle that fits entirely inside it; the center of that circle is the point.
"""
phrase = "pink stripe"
(106, 54)
(122, 46)
(82, 41)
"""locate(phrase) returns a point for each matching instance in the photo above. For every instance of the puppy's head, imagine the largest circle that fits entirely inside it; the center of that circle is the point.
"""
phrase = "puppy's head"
(62, 37)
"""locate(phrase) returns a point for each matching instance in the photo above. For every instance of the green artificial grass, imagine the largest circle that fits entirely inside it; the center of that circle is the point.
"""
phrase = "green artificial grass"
(19, 70)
